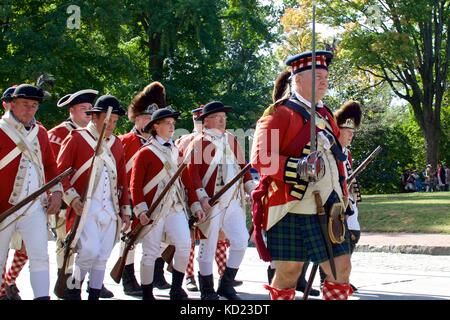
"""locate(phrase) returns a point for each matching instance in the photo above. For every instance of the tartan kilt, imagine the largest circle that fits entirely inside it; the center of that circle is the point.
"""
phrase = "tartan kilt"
(298, 237)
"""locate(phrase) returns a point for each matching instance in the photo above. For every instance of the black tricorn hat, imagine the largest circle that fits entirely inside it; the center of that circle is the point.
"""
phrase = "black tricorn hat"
(213, 107)
(28, 91)
(82, 96)
(349, 115)
(105, 101)
(7, 94)
(159, 115)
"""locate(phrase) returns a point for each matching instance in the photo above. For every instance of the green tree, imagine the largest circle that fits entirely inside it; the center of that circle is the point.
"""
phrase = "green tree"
(404, 43)
(201, 50)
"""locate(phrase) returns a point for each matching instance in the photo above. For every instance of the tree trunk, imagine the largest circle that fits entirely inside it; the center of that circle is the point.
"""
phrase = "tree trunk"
(432, 135)
(155, 63)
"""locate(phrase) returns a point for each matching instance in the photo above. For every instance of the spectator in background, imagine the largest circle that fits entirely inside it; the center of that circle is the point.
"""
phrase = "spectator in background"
(410, 182)
(429, 179)
(441, 177)
(447, 175)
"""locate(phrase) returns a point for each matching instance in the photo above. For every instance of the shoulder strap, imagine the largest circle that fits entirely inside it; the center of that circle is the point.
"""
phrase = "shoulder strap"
(298, 107)
(161, 174)
(22, 145)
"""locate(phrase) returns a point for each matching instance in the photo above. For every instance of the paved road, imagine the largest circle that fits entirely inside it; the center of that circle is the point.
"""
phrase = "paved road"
(378, 275)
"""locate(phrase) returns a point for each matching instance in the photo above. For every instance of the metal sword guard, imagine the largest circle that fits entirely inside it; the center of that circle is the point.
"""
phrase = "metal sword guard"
(312, 167)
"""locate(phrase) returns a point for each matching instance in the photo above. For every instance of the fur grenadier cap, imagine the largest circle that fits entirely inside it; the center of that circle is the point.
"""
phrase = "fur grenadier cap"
(349, 115)
(154, 93)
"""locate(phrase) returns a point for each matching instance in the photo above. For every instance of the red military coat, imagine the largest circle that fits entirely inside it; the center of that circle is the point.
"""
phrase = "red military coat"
(149, 176)
(199, 167)
(277, 146)
(57, 134)
(9, 172)
(203, 155)
(132, 142)
(75, 151)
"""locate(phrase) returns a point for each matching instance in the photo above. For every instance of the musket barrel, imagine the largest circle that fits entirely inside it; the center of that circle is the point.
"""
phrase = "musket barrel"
(363, 165)
(35, 194)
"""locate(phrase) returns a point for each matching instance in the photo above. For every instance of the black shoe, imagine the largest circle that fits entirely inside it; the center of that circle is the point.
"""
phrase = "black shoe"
(94, 294)
(270, 274)
(207, 287)
(158, 275)
(12, 292)
(226, 288)
(191, 285)
(104, 293)
(355, 289)
(42, 298)
(312, 292)
(301, 286)
(237, 283)
(177, 292)
(72, 294)
(147, 292)
(130, 285)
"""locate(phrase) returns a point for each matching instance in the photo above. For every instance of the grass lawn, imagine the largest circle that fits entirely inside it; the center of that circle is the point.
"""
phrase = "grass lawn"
(406, 212)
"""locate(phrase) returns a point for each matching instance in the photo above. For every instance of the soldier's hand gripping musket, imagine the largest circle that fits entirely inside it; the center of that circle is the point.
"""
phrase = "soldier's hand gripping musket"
(131, 237)
(215, 198)
(71, 239)
(35, 194)
(168, 253)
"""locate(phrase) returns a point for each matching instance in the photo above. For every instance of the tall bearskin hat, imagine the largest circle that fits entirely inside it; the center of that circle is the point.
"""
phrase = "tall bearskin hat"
(154, 93)
(349, 115)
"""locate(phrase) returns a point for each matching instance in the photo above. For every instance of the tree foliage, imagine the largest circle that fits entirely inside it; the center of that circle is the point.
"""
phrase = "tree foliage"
(201, 50)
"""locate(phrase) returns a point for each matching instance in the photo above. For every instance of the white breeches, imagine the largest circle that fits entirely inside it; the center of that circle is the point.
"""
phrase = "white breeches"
(175, 225)
(96, 242)
(232, 221)
(33, 229)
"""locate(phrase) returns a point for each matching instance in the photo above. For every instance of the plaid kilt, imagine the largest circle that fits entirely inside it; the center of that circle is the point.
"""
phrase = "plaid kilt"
(297, 237)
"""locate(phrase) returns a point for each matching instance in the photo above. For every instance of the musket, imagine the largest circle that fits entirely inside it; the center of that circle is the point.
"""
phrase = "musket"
(35, 194)
(63, 277)
(363, 165)
(168, 253)
(312, 275)
(131, 237)
(215, 198)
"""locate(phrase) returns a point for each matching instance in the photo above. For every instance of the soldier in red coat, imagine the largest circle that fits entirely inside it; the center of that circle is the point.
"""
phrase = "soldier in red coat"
(77, 103)
(8, 288)
(222, 244)
(348, 118)
(281, 89)
(153, 167)
(217, 160)
(140, 111)
(26, 163)
(284, 204)
(100, 222)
